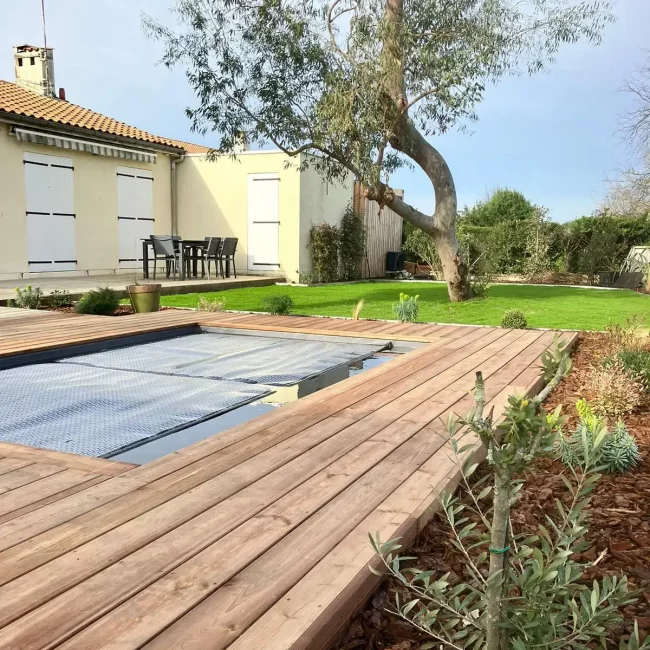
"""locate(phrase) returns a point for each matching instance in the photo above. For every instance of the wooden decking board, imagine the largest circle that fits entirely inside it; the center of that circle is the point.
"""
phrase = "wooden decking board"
(24, 476)
(330, 586)
(288, 498)
(46, 517)
(21, 453)
(10, 464)
(252, 538)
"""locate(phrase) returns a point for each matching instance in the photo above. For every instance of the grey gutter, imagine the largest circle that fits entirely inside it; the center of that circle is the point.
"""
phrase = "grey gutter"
(54, 127)
(174, 191)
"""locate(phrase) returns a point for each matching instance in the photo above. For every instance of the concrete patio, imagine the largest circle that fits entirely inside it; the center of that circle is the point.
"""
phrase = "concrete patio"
(78, 285)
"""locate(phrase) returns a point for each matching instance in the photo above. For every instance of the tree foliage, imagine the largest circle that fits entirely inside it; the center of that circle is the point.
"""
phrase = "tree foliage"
(362, 83)
(629, 190)
(504, 205)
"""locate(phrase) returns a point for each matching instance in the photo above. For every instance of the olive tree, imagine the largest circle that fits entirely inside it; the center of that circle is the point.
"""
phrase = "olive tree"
(363, 86)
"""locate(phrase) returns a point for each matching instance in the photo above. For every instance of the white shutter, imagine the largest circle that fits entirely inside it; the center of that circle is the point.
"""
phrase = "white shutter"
(49, 193)
(263, 222)
(135, 213)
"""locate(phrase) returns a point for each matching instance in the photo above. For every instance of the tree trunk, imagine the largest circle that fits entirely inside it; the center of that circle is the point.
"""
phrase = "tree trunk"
(497, 575)
(405, 137)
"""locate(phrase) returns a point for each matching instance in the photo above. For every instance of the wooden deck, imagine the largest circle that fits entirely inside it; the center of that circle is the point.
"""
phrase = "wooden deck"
(253, 538)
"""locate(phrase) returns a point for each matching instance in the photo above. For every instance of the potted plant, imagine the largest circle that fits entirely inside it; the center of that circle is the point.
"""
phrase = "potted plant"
(144, 297)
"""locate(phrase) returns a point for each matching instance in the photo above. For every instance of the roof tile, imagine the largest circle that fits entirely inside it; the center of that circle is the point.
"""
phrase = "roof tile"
(20, 101)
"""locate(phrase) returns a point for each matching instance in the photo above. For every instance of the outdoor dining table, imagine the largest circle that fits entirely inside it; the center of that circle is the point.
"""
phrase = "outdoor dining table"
(193, 244)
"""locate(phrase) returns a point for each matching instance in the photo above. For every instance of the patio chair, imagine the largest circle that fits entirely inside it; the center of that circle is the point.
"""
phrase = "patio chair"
(228, 254)
(164, 248)
(211, 253)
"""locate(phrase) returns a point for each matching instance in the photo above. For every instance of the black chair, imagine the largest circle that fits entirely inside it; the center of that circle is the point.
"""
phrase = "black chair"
(211, 253)
(176, 239)
(164, 248)
(228, 254)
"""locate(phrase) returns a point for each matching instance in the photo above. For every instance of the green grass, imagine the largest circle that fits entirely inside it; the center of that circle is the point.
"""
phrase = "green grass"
(555, 307)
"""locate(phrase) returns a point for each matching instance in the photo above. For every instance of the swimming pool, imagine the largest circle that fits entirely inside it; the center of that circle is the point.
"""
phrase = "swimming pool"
(108, 400)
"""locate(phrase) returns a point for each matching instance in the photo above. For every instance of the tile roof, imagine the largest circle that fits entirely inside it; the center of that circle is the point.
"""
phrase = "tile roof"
(19, 101)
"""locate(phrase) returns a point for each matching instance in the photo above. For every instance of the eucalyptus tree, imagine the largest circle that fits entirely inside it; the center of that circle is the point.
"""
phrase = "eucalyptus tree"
(365, 85)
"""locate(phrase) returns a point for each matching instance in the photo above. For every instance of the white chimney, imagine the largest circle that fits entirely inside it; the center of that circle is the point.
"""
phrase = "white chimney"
(34, 67)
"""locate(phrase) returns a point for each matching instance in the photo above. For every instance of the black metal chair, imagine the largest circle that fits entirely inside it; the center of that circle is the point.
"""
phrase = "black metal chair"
(228, 254)
(164, 248)
(211, 253)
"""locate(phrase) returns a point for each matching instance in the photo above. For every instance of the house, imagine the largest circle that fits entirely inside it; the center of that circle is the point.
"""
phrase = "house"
(79, 190)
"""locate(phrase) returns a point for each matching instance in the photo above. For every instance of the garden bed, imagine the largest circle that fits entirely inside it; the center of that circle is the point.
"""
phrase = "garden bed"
(618, 537)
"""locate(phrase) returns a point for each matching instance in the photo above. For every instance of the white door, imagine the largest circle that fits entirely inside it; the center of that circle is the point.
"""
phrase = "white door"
(50, 213)
(134, 213)
(263, 222)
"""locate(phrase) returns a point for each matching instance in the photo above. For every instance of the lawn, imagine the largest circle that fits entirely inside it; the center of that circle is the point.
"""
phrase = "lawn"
(555, 307)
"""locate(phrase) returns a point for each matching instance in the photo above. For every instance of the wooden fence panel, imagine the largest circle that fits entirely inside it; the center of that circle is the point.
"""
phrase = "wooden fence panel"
(383, 232)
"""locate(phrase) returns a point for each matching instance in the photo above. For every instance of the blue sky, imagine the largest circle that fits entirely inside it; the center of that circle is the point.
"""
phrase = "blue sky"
(552, 136)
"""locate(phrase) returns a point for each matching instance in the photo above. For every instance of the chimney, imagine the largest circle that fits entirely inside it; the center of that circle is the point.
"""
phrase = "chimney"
(240, 143)
(62, 94)
(34, 68)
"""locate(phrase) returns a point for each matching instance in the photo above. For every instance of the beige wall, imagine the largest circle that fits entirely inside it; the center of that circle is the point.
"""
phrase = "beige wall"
(95, 204)
(320, 202)
(213, 201)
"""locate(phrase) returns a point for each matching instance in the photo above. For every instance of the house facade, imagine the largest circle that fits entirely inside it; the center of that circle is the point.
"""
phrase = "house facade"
(79, 190)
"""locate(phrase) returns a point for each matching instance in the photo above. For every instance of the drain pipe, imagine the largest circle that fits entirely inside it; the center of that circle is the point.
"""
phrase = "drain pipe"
(174, 191)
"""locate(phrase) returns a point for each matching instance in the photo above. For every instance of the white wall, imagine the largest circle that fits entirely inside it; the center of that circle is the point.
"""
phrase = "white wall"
(320, 202)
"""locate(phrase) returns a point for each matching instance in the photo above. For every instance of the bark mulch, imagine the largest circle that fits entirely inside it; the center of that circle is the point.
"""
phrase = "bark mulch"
(618, 537)
(122, 310)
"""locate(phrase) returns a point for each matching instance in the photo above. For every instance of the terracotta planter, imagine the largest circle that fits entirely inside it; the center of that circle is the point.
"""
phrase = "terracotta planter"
(144, 297)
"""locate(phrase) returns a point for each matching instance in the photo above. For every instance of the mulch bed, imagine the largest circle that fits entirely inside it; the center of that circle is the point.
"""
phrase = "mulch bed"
(122, 310)
(618, 537)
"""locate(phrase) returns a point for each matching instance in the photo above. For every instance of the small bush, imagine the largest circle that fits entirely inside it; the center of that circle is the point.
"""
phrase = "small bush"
(59, 298)
(514, 319)
(480, 285)
(324, 242)
(352, 244)
(100, 302)
(636, 362)
(27, 298)
(211, 305)
(278, 305)
(407, 309)
(612, 389)
(620, 451)
(630, 336)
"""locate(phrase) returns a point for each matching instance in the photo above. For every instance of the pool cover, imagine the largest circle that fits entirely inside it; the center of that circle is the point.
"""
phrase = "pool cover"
(250, 359)
(96, 411)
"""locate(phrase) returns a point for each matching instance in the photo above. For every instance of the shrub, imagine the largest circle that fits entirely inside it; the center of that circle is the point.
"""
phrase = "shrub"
(324, 247)
(352, 244)
(514, 319)
(628, 336)
(100, 302)
(620, 452)
(636, 362)
(522, 591)
(278, 305)
(612, 389)
(59, 298)
(407, 309)
(27, 298)
(211, 305)
(422, 248)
